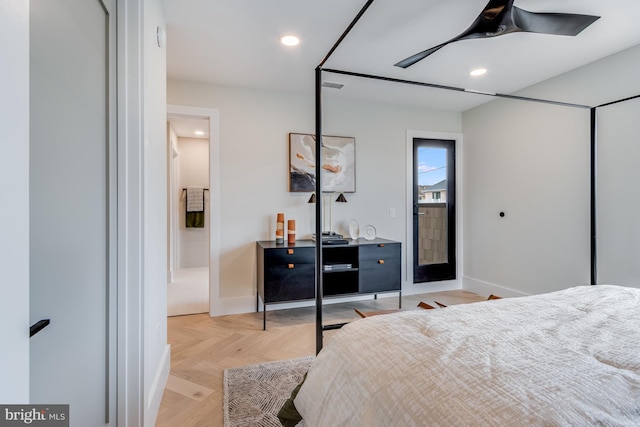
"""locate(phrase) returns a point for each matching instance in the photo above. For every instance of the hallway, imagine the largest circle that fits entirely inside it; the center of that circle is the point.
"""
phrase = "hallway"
(189, 292)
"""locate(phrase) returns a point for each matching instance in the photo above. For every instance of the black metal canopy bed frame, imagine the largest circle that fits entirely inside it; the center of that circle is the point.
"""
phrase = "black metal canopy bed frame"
(318, 139)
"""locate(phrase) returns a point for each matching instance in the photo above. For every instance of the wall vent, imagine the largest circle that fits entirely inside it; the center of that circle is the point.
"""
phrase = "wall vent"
(332, 85)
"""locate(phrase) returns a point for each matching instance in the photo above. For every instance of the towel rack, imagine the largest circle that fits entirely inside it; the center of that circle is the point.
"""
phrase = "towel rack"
(184, 190)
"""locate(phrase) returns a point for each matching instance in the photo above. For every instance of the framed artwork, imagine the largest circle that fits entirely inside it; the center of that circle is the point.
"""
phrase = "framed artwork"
(338, 163)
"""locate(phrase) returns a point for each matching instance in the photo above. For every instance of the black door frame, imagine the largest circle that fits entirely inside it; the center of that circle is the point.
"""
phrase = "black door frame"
(448, 270)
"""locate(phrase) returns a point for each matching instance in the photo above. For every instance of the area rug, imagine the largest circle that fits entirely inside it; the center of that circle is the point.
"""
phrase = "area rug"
(254, 394)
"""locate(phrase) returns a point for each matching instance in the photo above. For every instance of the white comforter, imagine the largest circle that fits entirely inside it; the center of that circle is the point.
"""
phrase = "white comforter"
(568, 358)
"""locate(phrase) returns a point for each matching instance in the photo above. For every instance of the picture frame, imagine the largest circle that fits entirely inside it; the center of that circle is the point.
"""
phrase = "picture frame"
(338, 163)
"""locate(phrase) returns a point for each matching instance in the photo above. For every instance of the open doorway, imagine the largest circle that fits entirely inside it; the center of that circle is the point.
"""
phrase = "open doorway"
(189, 214)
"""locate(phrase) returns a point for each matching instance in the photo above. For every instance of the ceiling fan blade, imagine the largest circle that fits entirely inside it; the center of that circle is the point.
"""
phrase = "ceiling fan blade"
(563, 24)
(484, 23)
(407, 62)
(500, 17)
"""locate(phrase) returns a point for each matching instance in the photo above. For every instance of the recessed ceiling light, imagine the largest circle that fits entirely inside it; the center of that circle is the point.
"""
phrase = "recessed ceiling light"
(289, 40)
(478, 72)
(199, 132)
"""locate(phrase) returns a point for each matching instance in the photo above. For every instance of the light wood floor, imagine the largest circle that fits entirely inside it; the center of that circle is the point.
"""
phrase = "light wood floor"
(202, 347)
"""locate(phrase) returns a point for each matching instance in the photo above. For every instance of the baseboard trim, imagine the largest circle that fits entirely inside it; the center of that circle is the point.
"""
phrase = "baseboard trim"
(154, 397)
(428, 287)
(485, 288)
(233, 305)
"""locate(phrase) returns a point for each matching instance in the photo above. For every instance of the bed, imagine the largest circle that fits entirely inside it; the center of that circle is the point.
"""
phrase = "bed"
(616, 259)
(570, 357)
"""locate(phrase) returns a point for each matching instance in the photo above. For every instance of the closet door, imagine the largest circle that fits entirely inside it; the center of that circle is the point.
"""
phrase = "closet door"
(71, 215)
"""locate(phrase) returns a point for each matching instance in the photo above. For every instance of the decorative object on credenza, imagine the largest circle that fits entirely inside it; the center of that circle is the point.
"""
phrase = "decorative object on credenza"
(338, 163)
(339, 199)
(291, 231)
(328, 235)
(335, 241)
(280, 228)
(369, 232)
(354, 229)
(331, 238)
(325, 204)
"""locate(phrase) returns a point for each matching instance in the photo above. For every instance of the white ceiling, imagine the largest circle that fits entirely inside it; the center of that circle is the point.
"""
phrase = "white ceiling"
(237, 43)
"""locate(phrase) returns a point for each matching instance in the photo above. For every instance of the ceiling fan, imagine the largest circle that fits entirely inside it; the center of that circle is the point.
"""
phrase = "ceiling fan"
(500, 17)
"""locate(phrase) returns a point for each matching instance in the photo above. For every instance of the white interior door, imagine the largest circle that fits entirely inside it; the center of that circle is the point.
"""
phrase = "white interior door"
(71, 207)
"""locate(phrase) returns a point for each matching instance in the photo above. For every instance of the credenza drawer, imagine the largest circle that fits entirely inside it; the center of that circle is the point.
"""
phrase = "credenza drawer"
(289, 282)
(380, 275)
(283, 256)
(379, 251)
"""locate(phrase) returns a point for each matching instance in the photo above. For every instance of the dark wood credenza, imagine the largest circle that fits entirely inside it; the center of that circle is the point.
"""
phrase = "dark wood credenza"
(286, 272)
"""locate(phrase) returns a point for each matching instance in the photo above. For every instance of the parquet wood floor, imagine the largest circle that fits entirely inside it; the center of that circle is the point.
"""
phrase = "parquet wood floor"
(202, 347)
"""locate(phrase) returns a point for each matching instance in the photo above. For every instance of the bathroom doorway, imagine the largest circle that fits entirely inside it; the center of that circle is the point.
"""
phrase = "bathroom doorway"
(190, 212)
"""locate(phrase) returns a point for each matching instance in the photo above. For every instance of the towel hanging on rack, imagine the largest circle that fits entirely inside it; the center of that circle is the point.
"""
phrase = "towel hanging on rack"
(195, 207)
(195, 199)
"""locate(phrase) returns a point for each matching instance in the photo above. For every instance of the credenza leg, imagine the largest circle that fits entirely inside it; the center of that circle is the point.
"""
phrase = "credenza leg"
(264, 317)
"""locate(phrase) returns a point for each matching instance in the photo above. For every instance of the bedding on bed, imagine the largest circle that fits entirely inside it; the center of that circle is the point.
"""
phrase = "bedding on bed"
(567, 358)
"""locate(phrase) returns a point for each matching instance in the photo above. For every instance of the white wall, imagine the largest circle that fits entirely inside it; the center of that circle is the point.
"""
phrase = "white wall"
(14, 222)
(193, 171)
(532, 162)
(606, 80)
(156, 350)
(254, 128)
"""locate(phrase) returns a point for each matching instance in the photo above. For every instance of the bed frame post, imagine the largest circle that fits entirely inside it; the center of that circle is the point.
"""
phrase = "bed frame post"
(319, 295)
(594, 183)
(594, 164)
(318, 90)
